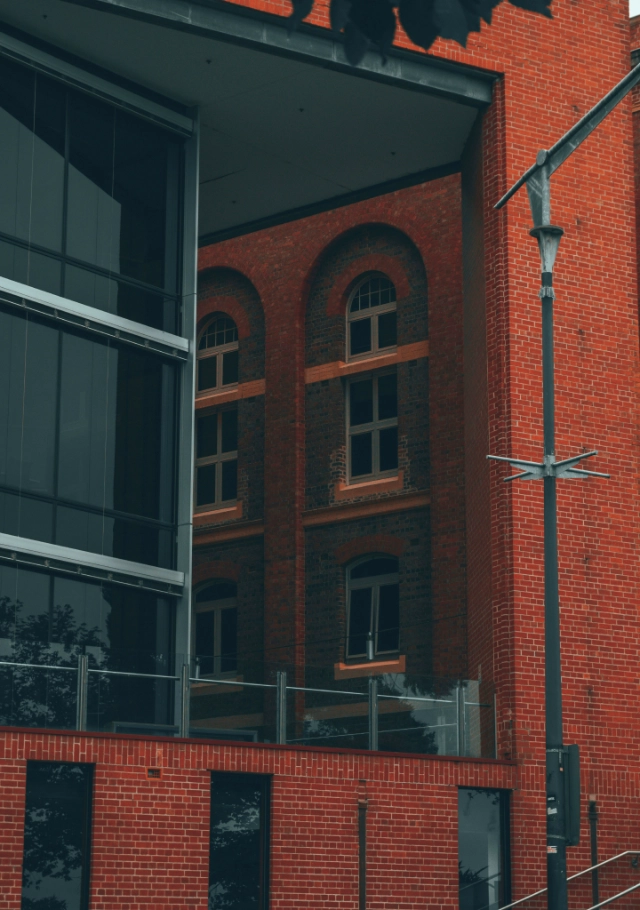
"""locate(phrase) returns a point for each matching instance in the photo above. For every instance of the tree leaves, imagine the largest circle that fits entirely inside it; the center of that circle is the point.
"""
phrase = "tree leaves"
(372, 23)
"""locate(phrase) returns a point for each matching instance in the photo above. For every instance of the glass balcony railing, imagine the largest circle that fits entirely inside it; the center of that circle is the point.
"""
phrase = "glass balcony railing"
(140, 693)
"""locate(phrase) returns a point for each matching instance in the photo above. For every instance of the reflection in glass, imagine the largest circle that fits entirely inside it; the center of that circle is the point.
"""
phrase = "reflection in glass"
(482, 846)
(239, 831)
(57, 830)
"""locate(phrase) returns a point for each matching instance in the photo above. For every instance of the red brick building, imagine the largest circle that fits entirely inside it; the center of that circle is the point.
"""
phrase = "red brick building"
(357, 354)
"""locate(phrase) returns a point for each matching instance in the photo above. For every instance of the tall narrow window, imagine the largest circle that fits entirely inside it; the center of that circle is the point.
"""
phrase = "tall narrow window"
(218, 354)
(55, 870)
(483, 848)
(216, 628)
(217, 458)
(372, 424)
(371, 317)
(373, 618)
(238, 861)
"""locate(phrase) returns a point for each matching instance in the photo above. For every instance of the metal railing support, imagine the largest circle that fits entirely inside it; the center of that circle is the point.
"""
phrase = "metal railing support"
(281, 707)
(373, 714)
(82, 692)
(185, 701)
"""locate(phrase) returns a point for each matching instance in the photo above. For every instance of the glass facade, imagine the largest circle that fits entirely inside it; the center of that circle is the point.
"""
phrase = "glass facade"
(90, 199)
(49, 619)
(57, 832)
(483, 848)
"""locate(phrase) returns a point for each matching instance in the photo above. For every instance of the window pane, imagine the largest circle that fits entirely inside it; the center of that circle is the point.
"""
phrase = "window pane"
(387, 335)
(17, 84)
(480, 849)
(389, 449)
(207, 441)
(229, 431)
(387, 396)
(28, 267)
(388, 618)
(205, 630)
(359, 337)
(207, 373)
(26, 516)
(56, 835)
(218, 590)
(361, 402)
(359, 621)
(237, 861)
(229, 367)
(206, 485)
(228, 640)
(361, 461)
(120, 298)
(229, 480)
(381, 565)
(47, 180)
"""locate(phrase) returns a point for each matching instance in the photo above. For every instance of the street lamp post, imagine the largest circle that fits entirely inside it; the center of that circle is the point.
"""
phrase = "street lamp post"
(560, 825)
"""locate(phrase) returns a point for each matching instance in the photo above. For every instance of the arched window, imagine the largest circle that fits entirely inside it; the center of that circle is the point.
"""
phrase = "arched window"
(373, 607)
(217, 354)
(216, 628)
(371, 317)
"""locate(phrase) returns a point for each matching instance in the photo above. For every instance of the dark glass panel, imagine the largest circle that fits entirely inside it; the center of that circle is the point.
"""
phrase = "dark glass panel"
(229, 480)
(361, 455)
(387, 333)
(94, 218)
(79, 529)
(229, 431)
(359, 621)
(228, 640)
(87, 412)
(56, 836)
(361, 402)
(359, 337)
(47, 186)
(388, 618)
(24, 611)
(207, 373)
(229, 367)
(481, 849)
(218, 590)
(26, 516)
(387, 396)
(139, 542)
(205, 630)
(13, 345)
(17, 84)
(120, 298)
(379, 565)
(206, 485)
(237, 874)
(389, 449)
(207, 436)
(39, 418)
(28, 267)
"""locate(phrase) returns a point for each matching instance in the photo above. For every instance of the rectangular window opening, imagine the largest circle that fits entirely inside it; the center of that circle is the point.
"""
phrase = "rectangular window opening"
(483, 848)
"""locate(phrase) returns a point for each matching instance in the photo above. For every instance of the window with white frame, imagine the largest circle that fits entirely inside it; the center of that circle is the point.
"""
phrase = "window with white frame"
(373, 607)
(371, 317)
(217, 354)
(216, 459)
(216, 628)
(372, 426)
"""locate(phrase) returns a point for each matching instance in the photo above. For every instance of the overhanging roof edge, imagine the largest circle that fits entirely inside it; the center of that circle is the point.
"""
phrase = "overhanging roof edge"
(311, 44)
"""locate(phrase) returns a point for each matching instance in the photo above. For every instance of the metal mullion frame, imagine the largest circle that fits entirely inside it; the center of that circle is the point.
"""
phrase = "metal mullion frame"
(92, 84)
(382, 581)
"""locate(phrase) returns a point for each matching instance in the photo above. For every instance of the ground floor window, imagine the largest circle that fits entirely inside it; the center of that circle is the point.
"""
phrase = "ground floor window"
(238, 861)
(483, 848)
(57, 830)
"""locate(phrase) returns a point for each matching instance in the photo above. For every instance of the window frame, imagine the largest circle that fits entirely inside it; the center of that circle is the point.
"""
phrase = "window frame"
(217, 351)
(374, 427)
(219, 458)
(371, 313)
(375, 582)
(216, 607)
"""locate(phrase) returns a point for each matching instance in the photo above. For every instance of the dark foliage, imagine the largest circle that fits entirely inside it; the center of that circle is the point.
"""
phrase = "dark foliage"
(372, 23)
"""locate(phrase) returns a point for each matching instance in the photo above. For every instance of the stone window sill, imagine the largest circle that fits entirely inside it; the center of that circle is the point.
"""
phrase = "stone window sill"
(370, 668)
(215, 516)
(344, 491)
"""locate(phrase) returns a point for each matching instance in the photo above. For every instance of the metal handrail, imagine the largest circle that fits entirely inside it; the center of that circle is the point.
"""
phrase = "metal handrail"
(8, 663)
(615, 897)
(570, 878)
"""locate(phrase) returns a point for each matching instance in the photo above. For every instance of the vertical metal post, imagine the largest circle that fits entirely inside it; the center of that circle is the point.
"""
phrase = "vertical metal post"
(185, 701)
(373, 714)
(82, 692)
(462, 718)
(281, 707)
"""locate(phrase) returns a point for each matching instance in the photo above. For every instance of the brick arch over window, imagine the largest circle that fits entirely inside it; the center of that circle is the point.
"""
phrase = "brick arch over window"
(223, 290)
(350, 276)
(215, 570)
(368, 545)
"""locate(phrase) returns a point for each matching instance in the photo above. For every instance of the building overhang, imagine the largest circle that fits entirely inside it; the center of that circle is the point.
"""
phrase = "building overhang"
(287, 127)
